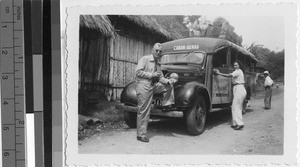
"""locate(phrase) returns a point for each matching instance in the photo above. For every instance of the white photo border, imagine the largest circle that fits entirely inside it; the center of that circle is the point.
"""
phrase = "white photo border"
(70, 48)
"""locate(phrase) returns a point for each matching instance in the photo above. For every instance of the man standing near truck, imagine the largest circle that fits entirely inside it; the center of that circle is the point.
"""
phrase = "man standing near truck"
(150, 80)
(268, 87)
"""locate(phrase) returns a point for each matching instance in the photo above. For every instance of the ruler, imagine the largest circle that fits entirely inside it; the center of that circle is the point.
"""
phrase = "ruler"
(12, 84)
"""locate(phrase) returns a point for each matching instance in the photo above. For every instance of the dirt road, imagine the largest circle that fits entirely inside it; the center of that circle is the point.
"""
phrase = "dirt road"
(262, 135)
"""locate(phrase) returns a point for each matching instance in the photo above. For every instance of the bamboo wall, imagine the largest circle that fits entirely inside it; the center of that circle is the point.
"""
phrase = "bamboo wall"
(107, 65)
(93, 64)
(124, 55)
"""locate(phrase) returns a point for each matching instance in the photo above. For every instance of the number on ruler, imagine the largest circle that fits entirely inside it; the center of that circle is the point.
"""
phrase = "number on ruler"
(4, 52)
(4, 77)
(5, 128)
(21, 122)
(7, 9)
(4, 26)
(5, 102)
(6, 154)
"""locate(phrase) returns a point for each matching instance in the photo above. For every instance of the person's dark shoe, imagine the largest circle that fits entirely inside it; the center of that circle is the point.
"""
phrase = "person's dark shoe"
(142, 139)
(239, 127)
(233, 126)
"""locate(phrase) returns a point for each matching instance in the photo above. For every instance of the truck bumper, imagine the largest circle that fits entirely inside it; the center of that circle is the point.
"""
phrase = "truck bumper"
(156, 112)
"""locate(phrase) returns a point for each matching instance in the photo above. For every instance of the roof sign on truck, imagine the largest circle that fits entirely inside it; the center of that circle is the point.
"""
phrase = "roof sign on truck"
(186, 47)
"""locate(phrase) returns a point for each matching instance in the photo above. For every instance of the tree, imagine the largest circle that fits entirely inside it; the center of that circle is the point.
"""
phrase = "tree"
(270, 60)
(276, 63)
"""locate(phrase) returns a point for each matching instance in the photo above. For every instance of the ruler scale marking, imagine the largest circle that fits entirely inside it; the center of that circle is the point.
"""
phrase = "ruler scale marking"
(12, 87)
(14, 82)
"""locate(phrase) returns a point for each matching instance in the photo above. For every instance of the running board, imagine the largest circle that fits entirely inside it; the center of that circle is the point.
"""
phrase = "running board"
(220, 109)
(157, 112)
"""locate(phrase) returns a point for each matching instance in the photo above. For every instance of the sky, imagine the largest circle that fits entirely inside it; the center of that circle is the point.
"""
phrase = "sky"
(262, 30)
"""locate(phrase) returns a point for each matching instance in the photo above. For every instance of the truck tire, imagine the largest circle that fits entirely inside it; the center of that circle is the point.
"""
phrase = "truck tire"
(130, 119)
(196, 117)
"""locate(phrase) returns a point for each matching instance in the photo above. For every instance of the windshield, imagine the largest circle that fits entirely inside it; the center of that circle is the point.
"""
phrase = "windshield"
(186, 58)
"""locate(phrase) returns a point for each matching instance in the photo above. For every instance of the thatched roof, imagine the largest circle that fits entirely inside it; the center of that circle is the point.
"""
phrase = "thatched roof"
(99, 23)
(155, 24)
(172, 23)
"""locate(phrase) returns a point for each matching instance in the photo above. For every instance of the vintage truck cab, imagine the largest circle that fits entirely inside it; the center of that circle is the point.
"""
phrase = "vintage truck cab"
(198, 91)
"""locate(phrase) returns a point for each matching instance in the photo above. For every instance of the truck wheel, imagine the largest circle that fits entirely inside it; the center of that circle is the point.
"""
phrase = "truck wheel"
(130, 119)
(196, 117)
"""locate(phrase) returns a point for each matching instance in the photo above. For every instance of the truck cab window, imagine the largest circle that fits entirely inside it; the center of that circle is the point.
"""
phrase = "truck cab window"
(220, 59)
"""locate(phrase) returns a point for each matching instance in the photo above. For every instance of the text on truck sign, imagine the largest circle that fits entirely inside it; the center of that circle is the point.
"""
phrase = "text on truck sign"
(186, 47)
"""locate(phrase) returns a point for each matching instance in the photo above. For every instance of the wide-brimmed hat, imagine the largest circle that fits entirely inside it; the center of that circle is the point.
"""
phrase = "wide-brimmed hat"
(266, 72)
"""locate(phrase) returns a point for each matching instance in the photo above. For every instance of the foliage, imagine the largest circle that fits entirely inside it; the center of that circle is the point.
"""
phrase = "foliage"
(276, 63)
(270, 60)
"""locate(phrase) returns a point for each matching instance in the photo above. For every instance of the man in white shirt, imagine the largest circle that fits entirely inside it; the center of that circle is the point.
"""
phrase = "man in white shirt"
(268, 87)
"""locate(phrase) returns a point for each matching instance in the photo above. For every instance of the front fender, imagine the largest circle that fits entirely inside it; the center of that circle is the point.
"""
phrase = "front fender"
(128, 95)
(186, 94)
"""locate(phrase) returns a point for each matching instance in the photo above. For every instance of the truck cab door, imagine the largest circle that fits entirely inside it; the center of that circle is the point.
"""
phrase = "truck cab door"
(221, 86)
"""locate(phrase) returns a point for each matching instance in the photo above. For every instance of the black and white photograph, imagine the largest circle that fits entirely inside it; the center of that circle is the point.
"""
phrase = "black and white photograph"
(192, 49)
(180, 83)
